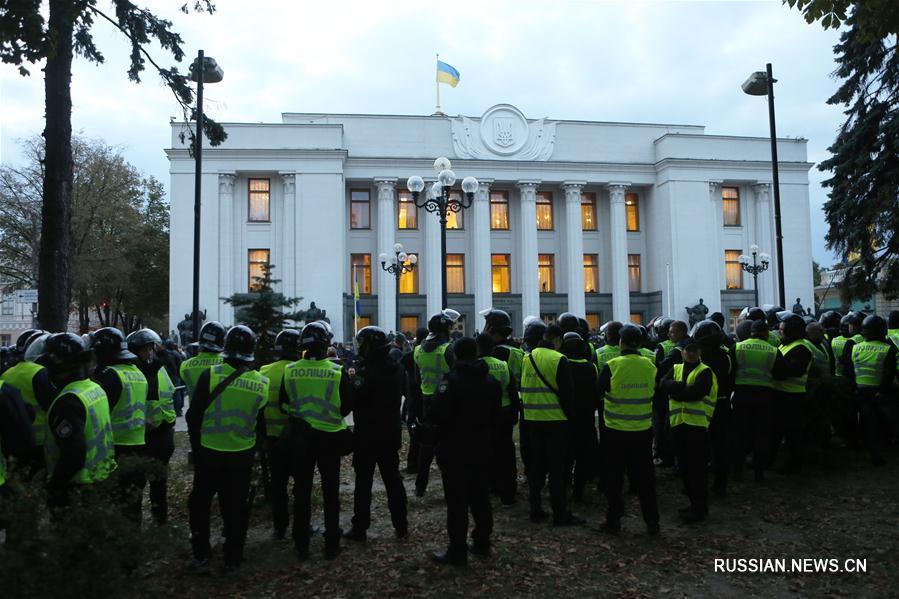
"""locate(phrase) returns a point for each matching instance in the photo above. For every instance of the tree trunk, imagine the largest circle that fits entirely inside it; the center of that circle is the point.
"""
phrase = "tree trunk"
(54, 274)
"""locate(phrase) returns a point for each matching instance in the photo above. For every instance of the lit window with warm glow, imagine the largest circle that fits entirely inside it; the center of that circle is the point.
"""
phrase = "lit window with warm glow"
(259, 200)
(632, 204)
(455, 220)
(546, 273)
(409, 324)
(591, 273)
(588, 211)
(544, 211)
(499, 210)
(593, 321)
(257, 261)
(502, 278)
(637, 318)
(732, 269)
(730, 202)
(406, 212)
(633, 273)
(360, 273)
(455, 273)
(409, 279)
(362, 322)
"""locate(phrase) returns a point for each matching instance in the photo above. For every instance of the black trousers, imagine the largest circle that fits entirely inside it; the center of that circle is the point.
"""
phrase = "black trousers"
(629, 451)
(584, 454)
(232, 484)
(548, 453)
(790, 426)
(465, 487)
(846, 408)
(719, 434)
(692, 446)
(878, 414)
(413, 412)
(503, 465)
(386, 458)
(328, 464)
(752, 426)
(160, 447)
(279, 468)
(131, 479)
(425, 451)
(663, 445)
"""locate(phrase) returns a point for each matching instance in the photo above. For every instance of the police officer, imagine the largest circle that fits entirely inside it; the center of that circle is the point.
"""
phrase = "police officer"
(583, 464)
(790, 381)
(667, 355)
(628, 382)
(32, 382)
(433, 359)
(316, 394)
(171, 357)
(753, 398)
(498, 325)
(126, 388)
(212, 336)
(79, 446)
(692, 388)
(223, 421)
(16, 440)
(466, 407)
(547, 398)
(412, 408)
(287, 351)
(377, 432)
(726, 340)
(709, 336)
(160, 416)
(502, 455)
(846, 405)
(873, 371)
(819, 393)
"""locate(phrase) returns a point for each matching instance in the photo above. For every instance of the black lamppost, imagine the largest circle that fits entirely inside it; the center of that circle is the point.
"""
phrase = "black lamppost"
(211, 73)
(761, 83)
(759, 265)
(400, 264)
(440, 201)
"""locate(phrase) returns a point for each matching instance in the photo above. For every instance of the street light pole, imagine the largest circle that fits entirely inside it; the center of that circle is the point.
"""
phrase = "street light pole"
(400, 264)
(755, 268)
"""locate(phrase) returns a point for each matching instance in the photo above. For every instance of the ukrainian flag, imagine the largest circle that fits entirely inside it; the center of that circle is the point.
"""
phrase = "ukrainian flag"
(447, 74)
(356, 294)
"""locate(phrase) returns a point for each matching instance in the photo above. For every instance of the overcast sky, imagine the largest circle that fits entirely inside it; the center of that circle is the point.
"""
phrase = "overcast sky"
(661, 62)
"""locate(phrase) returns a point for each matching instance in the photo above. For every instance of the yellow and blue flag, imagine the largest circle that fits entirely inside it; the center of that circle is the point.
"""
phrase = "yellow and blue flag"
(356, 294)
(447, 74)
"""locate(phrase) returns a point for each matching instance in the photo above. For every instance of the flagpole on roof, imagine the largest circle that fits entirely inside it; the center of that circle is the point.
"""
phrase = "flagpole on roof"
(437, 111)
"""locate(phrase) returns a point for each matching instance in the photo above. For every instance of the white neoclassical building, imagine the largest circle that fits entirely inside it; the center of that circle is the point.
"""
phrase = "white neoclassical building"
(607, 220)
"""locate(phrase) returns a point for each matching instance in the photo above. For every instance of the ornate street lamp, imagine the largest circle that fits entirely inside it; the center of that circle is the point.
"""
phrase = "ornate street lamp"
(399, 264)
(755, 265)
(440, 202)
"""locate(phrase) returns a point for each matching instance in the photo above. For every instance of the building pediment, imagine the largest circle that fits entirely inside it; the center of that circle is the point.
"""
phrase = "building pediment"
(503, 133)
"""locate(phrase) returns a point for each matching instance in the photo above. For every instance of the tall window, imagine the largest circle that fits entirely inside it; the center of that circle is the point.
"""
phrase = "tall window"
(259, 210)
(362, 322)
(455, 220)
(637, 317)
(548, 317)
(406, 212)
(257, 259)
(730, 201)
(588, 211)
(360, 209)
(455, 273)
(409, 280)
(591, 273)
(732, 270)
(502, 279)
(633, 272)
(544, 211)
(546, 273)
(409, 323)
(733, 317)
(499, 210)
(360, 273)
(632, 205)
(593, 321)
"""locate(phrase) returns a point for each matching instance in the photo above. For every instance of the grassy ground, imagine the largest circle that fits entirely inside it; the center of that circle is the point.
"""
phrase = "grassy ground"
(839, 508)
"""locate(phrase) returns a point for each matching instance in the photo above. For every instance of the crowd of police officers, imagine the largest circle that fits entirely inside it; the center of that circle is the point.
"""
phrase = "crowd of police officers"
(75, 410)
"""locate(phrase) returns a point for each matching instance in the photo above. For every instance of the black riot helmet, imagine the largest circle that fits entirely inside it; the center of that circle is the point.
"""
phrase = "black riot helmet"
(64, 351)
(756, 314)
(574, 346)
(315, 337)
(830, 320)
(630, 335)
(110, 346)
(534, 329)
(856, 319)
(25, 338)
(874, 328)
(240, 344)
(744, 330)
(439, 324)
(498, 321)
(610, 332)
(894, 319)
(583, 327)
(143, 338)
(718, 318)
(370, 339)
(287, 344)
(708, 334)
(793, 328)
(844, 325)
(771, 314)
(212, 337)
(568, 322)
(661, 328)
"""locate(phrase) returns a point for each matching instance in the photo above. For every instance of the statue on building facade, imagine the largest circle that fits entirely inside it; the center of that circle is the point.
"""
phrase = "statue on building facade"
(697, 313)
(314, 313)
(186, 328)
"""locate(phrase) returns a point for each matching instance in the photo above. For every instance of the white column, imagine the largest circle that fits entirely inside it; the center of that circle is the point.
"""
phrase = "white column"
(574, 247)
(530, 285)
(764, 224)
(226, 246)
(386, 239)
(432, 262)
(718, 221)
(621, 299)
(288, 267)
(480, 246)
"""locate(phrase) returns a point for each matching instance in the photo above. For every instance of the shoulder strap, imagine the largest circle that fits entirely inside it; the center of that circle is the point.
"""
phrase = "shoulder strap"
(541, 377)
(220, 388)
